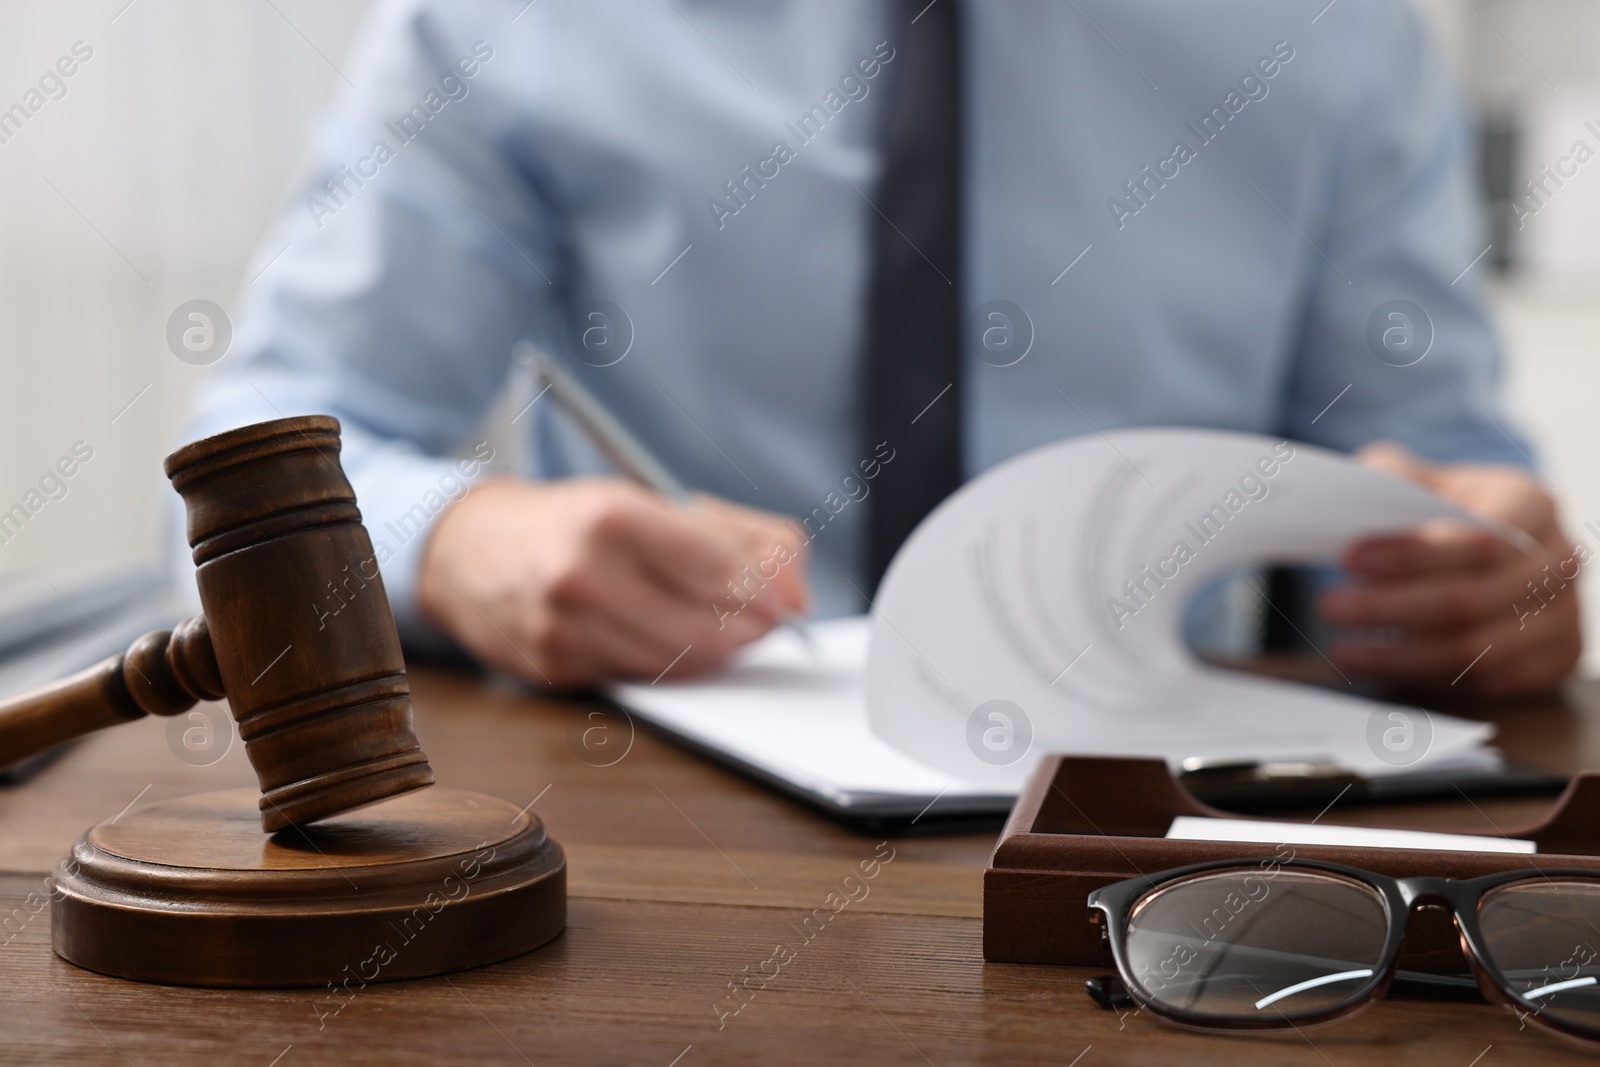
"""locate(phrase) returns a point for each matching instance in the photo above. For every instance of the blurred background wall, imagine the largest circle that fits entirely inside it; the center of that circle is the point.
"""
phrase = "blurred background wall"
(146, 184)
(150, 180)
(1533, 75)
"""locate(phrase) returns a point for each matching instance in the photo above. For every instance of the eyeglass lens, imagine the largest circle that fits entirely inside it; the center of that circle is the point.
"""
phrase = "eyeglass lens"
(1543, 936)
(1258, 943)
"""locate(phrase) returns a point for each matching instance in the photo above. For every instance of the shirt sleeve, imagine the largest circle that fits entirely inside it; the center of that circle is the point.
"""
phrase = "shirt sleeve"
(413, 256)
(1396, 342)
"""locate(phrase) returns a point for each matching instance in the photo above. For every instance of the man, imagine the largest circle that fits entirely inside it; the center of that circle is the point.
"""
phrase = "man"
(785, 241)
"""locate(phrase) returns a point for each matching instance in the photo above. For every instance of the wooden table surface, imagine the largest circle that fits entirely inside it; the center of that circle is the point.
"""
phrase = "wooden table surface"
(682, 875)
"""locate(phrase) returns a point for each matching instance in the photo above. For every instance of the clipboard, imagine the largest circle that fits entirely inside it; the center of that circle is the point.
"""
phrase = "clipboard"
(1083, 822)
(797, 722)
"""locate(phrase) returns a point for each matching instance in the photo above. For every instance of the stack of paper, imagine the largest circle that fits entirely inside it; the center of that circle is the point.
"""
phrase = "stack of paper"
(1056, 584)
(1038, 611)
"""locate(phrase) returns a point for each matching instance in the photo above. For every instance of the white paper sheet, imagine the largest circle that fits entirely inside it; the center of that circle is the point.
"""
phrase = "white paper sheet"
(1010, 591)
(802, 720)
(1192, 828)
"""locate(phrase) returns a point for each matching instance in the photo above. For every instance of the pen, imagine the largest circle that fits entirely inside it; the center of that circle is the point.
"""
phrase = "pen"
(619, 445)
(1247, 783)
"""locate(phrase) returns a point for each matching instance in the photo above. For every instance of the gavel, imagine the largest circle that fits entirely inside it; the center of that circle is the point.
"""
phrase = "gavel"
(320, 697)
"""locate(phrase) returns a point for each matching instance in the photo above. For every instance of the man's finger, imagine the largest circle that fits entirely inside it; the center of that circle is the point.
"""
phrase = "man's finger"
(1427, 551)
(1491, 660)
(614, 648)
(1427, 660)
(1437, 602)
(774, 554)
(625, 597)
(677, 550)
(1396, 458)
(633, 599)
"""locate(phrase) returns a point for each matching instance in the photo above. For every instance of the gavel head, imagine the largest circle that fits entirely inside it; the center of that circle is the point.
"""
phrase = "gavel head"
(305, 643)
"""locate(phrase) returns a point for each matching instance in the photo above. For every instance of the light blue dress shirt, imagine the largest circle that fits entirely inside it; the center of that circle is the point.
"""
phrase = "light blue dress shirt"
(1192, 214)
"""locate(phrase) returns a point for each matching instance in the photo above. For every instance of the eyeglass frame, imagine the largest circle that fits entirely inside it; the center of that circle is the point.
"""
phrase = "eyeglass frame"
(1110, 908)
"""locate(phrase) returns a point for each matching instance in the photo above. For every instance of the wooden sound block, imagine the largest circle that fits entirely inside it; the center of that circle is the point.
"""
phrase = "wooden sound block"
(191, 892)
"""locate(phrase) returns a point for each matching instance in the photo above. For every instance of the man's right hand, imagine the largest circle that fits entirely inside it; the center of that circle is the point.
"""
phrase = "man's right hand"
(576, 581)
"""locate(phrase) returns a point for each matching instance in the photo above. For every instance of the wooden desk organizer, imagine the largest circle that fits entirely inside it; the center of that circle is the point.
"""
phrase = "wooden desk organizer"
(1083, 822)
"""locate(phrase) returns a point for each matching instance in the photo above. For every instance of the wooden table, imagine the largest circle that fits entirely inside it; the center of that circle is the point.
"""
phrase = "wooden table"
(682, 875)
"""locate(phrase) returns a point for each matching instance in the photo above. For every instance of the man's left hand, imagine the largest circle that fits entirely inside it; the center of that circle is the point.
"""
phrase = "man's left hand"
(1450, 605)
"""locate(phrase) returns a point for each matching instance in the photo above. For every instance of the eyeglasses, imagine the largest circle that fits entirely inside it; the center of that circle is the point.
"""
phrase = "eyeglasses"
(1272, 943)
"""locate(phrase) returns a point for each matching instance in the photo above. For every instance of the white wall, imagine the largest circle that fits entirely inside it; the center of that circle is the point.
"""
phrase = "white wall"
(1553, 337)
(147, 184)
(1537, 58)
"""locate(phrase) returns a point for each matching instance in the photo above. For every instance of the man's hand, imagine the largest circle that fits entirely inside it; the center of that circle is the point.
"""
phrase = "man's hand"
(1453, 597)
(575, 581)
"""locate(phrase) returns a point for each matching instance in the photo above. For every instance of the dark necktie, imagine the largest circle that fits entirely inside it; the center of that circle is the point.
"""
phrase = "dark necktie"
(913, 394)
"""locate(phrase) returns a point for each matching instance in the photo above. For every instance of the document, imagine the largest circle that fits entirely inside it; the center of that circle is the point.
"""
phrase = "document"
(797, 719)
(1038, 610)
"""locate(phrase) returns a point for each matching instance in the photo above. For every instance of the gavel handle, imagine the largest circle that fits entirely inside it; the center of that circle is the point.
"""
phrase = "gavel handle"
(162, 673)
